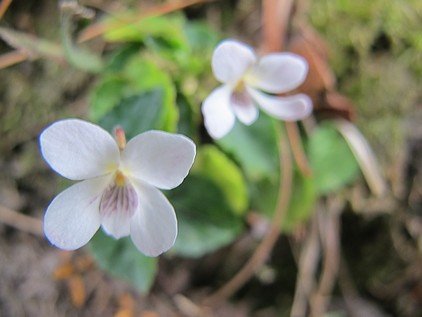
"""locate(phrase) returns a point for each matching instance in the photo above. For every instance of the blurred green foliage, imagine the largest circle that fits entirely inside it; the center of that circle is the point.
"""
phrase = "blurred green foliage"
(157, 78)
(123, 260)
(375, 50)
(332, 161)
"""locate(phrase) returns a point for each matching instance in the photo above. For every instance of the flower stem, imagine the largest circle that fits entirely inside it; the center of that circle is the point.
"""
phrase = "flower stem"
(275, 19)
(264, 249)
(297, 148)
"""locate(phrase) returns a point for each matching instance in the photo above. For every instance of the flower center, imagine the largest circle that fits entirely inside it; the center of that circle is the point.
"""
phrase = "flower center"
(119, 197)
(240, 86)
(240, 96)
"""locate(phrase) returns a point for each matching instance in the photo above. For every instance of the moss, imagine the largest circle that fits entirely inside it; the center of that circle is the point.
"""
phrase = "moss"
(375, 52)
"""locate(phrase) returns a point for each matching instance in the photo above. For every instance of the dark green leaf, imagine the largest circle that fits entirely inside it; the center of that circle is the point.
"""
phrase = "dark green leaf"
(144, 75)
(200, 36)
(332, 162)
(303, 196)
(206, 222)
(214, 164)
(255, 147)
(302, 202)
(123, 260)
(136, 114)
(106, 95)
(187, 124)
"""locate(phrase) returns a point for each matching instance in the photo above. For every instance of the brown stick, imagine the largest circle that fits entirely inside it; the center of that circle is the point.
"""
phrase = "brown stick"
(4, 5)
(20, 221)
(297, 148)
(308, 263)
(275, 21)
(330, 235)
(263, 251)
(100, 28)
(12, 58)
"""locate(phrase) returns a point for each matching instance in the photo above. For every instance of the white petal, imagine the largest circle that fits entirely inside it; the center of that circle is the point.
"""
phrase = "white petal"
(230, 61)
(78, 149)
(244, 107)
(290, 108)
(154, 226)
(159, 158)
(73, 216)
(116, 226)
(118, 205)
(218, 115)
(278, 73)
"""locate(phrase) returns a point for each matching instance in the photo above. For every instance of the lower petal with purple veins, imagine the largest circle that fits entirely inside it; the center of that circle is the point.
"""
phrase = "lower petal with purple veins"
(243, 106)
(118, 205)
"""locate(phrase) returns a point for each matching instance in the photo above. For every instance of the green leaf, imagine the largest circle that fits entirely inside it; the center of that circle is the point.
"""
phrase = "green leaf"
(136, 114)
(77, 56)
(302, 202)
(200, 36)
(126, 89)
(264, 195)
(188, 121)
(164, 31)
(145, 75)
(332, 161)
(120, 57)
(255, 147)
(106, 95)
(123, 260)
(214, 164)
(206, 222)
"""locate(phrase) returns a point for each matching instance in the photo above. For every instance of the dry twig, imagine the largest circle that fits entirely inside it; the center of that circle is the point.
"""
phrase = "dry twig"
(329, 230)
(4, 5)
(297, 148)
(263, 251)
(275, 20)
(308, 263)
(19, 221)
(100, 28)
(12, 58)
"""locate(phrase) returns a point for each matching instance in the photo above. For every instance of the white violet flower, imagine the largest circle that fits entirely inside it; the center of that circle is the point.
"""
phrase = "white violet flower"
(244, 76)
(118, 188)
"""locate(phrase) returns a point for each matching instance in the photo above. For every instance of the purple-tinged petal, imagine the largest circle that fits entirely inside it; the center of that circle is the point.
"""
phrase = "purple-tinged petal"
(290, 108)
(244, 107)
